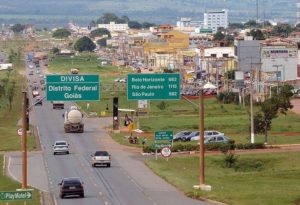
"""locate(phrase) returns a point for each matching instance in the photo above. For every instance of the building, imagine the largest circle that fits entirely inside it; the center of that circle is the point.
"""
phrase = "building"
(187, 22)
(247, 54)
(162, 52)
(219, 52)
(113, 27)
(216, 19)
(279, 58)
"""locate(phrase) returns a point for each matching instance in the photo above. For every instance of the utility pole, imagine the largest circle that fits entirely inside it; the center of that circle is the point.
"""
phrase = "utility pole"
(201, 129)
(251, 109)
(202, 184)
(24, 140)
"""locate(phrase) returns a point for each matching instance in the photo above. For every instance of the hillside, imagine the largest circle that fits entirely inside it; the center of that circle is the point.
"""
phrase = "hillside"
(53, 12)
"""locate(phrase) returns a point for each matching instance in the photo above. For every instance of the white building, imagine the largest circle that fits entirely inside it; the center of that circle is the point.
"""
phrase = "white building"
(112, 26)
(216, 19)
(219, 52)
(279, 58)
(187, 22)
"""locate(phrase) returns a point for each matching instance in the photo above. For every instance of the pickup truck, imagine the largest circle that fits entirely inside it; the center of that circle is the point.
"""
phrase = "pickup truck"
(101, 157)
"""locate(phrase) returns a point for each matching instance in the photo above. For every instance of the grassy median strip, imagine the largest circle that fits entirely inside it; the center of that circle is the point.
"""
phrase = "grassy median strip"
(7, 184)
(261, 179)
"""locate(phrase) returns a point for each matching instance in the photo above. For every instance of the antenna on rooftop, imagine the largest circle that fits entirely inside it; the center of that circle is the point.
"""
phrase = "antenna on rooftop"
(298, 12)
(256, 14)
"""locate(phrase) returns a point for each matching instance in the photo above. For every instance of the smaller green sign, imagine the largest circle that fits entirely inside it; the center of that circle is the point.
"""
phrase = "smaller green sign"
(163, 135)
(15, 195)
(158, 146)
(161, 86)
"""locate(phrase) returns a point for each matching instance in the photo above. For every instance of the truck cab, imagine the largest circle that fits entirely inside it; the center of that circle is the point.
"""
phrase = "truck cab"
(58, 104)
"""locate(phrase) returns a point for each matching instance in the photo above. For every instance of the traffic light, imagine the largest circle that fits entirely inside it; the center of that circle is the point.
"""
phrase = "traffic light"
(115, 113)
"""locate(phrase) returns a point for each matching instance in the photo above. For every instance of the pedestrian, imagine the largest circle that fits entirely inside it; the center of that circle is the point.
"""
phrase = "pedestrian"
(144, 141)
(126, 120)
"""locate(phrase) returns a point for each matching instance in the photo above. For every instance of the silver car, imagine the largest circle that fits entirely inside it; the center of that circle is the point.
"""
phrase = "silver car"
(61, 147)
(208, 133)
(101, 158)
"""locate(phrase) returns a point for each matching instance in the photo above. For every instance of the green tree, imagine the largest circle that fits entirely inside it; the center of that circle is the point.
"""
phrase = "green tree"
(17, 28)
(279, 103)
(55, 50)
(61, 33)
(92, 24)
(109, 17)
(102, 42)
(99, 32)
(257, 34)
(282, 30)
(147, 24)
(125, 19)
(10, 93)
(219, 36)
(250, 24)
(235, 26)
(84, 44)
(134, 25)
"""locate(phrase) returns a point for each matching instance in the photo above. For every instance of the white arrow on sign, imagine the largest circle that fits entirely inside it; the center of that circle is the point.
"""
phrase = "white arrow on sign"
(28, 195)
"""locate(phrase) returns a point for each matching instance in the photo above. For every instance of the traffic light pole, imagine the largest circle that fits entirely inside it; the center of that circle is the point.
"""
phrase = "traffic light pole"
(24, 140)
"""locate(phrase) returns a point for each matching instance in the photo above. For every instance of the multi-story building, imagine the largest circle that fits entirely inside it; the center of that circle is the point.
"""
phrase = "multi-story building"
(112, 26)
(247, 54)
(279, 58)
(216, 19)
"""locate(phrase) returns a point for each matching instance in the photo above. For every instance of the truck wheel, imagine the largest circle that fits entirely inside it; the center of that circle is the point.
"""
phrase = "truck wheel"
(108, 165)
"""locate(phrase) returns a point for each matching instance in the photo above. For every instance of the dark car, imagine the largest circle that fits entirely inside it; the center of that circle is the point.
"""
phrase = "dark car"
(38, 100)
(180, 136)
(71, 187)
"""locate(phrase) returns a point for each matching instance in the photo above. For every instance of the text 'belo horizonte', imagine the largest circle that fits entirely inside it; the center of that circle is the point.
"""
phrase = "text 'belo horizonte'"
(148, 79)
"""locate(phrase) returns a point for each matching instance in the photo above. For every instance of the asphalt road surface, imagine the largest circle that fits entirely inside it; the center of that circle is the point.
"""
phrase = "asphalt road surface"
(127, 182)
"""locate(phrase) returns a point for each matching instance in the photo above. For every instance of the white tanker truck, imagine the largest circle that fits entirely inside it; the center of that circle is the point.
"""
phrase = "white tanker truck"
(73, 120)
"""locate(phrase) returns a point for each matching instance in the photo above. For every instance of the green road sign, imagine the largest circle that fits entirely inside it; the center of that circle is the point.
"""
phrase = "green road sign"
(72, 87)
(163, 135)
(158, 146)
(15, 195)
(153, 86)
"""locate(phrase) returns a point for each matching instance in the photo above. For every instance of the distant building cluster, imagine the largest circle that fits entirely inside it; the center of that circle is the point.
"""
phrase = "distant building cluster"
(190, 47)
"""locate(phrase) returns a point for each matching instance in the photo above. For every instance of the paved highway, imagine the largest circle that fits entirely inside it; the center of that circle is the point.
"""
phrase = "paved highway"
(127, 182)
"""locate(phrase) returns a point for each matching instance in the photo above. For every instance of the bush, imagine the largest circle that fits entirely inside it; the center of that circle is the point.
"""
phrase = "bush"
(228, 97)
(162, 105)
(250, 146)
(223, 147)
(148, 149)
(230, 159)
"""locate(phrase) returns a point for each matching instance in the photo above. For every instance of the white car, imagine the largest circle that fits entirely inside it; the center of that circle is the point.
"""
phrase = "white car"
(60, 147)
(208, 133)
(20, 131)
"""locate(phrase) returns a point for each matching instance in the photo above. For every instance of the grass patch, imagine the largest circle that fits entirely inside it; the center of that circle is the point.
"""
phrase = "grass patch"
(7, 184)
(269, 178)
(87, 63)
(9, 140)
